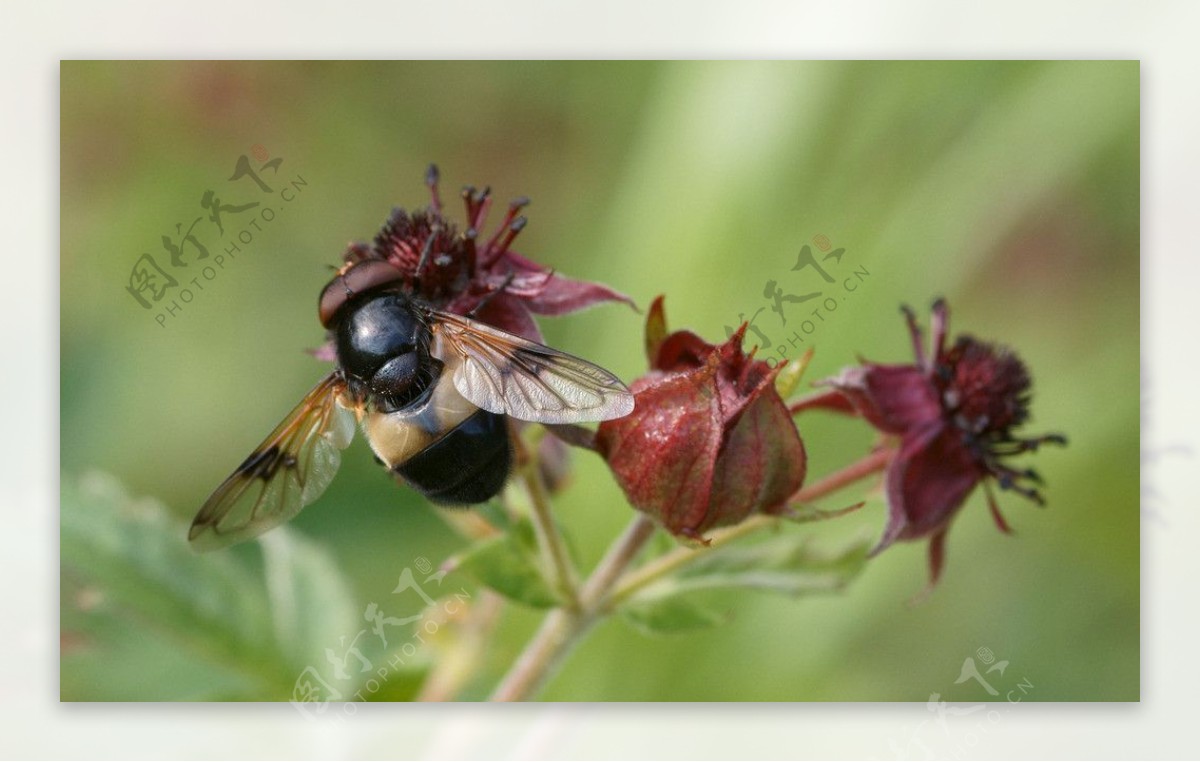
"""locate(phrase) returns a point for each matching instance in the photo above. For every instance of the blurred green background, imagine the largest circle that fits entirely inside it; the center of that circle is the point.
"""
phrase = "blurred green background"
(1011, 188)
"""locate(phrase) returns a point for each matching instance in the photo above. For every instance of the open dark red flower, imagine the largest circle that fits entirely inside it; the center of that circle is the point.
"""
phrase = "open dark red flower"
(954, 412)
(709, 441)
(461, 270)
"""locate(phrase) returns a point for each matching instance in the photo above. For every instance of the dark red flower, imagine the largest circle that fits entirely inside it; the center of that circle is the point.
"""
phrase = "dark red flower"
(709, 441)
(954, 412)
(465, 272)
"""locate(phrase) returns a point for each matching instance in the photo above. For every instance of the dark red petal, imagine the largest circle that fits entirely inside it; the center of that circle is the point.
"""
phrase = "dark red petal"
(503, 311)
(897, 519)
(562, 295)
(894, 398)
(995, 509)
(742, 377)
(927, 482)
(549, 293)
(664, 452)
(832, 400)
(681, 351)
(937, 558)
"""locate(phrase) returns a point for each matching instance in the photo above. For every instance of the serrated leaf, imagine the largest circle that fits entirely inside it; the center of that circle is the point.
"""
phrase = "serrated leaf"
(131, 585)
(509, 564)
(670, 615)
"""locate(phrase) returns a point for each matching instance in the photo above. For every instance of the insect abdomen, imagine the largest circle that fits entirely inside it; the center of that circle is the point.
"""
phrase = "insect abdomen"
(468, 465)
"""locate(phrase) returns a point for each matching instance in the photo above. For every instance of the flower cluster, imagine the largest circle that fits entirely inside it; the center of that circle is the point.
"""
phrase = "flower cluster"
(710, 442)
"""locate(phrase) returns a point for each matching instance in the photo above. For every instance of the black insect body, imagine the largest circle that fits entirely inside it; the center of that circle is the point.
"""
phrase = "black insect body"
(442, 445)
(432, 391)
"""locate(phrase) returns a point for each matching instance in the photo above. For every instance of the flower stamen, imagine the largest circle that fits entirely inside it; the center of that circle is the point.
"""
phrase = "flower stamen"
(509, 232)
(431, 181)
(514, 208)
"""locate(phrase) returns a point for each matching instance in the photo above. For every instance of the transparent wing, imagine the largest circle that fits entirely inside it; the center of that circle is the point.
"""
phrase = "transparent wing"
(506, 374)
(289, 470)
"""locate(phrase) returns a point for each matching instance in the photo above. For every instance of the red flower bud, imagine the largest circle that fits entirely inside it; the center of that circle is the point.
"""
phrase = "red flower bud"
(709, 441)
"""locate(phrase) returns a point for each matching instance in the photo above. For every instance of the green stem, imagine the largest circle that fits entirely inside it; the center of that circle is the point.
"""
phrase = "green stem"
(550, 540)
(563, 628)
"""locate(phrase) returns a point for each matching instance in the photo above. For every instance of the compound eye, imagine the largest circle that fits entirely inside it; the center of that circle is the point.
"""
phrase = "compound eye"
(357, 279)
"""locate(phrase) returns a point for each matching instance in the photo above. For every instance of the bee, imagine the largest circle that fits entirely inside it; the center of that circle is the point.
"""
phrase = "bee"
(432, 392)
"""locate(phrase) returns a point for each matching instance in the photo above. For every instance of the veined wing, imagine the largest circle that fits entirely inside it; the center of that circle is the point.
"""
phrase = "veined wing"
(289, 470)
(504, 373)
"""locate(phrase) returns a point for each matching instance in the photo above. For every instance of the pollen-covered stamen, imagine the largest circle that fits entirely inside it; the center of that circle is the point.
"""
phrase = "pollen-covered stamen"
(468, 197)
(477, 203)
(483, 202)
(509, 233)
(514, 208)
(431, 181)
(426, 251)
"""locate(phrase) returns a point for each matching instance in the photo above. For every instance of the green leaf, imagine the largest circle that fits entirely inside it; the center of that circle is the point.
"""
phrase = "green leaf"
(670, 615)
(785, 563)
(510, 565)
(223, 627)
(809, 513)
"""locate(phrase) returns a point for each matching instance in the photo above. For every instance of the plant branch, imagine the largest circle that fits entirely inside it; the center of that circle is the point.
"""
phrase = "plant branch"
(563, 628)
(550, 540)
(608, 585)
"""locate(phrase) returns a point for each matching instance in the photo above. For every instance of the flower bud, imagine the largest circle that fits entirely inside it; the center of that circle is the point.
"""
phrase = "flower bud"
(709, 442)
